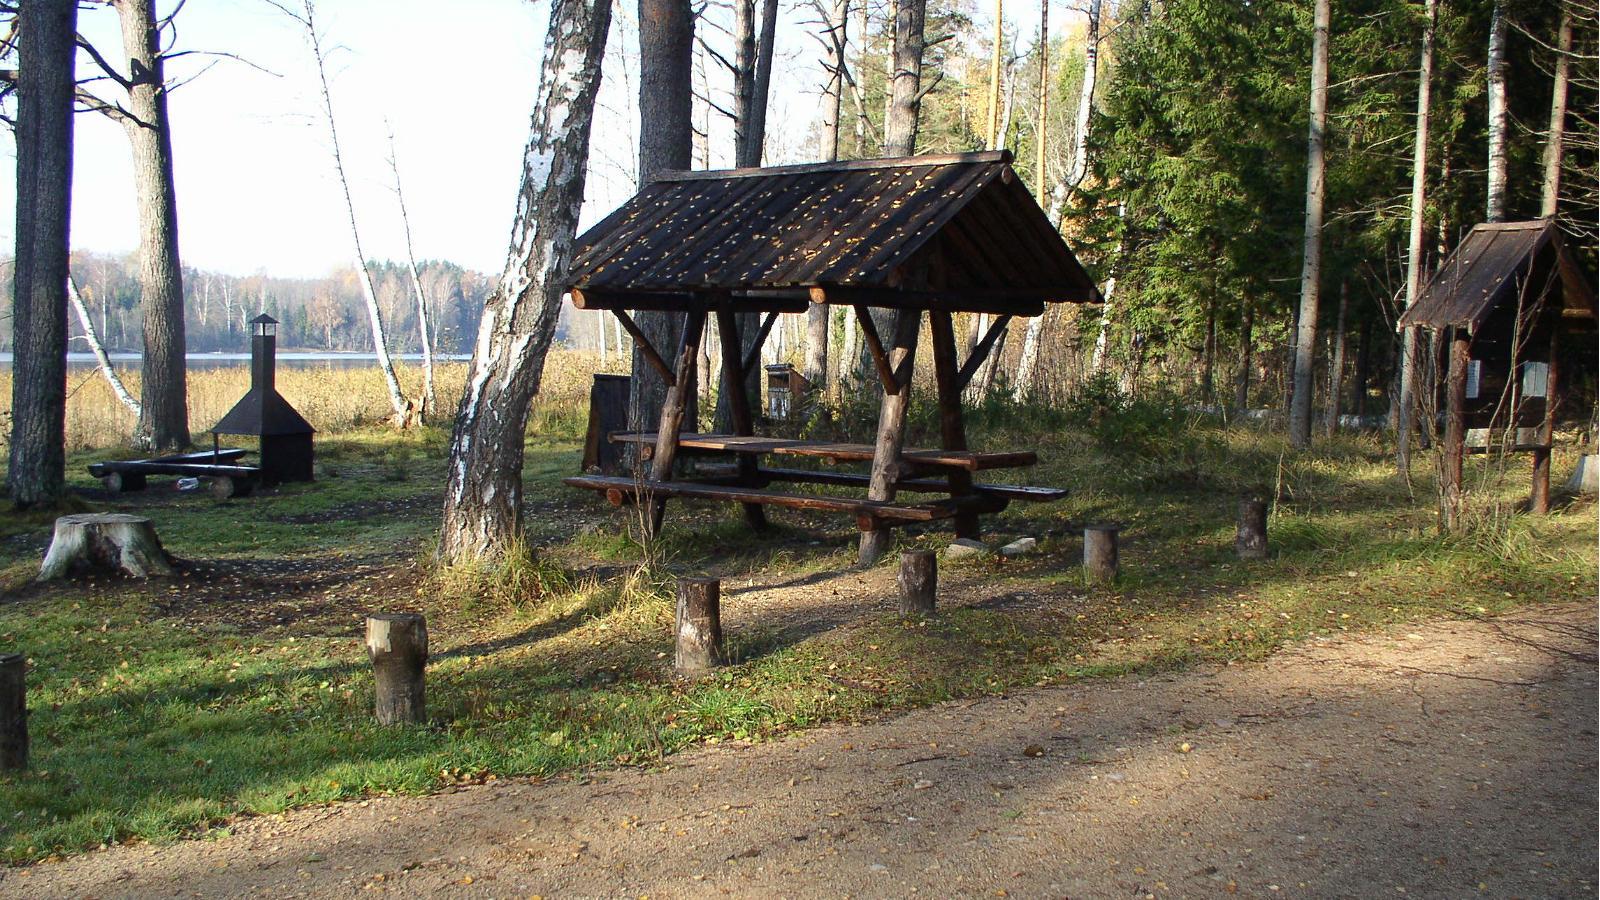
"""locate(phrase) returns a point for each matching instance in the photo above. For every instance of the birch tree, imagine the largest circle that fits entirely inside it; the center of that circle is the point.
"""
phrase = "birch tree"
(1499, 116)
(835, 39)
(428, 396)
(102, 361)
(1406, 399)
(1311, 265)
(380, 340)
(36, 475)
(483, 494)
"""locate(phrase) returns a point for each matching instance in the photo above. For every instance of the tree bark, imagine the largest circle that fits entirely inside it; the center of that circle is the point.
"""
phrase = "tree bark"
(105, 542)
(905, 98)
(918, 582)
(36, 475)
(1499, 115)
(1405, 401)
(1336, 366)
(666, 63)
(698, 626)
(1455, 429)
(1555, 137)
(886, 461)
(1241, 382)
(1100, 565)
(995, 50)
(1250, 538)
(483, 494)
(163, 392)
(1311, 268)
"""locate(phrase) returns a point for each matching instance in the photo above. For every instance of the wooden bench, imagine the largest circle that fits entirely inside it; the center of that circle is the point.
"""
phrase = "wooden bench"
(869, 514)
(228, 479)
(766, 476)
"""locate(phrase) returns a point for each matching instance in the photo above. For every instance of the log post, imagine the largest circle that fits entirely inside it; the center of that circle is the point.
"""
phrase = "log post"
(1251, 541)
(952, 430)
(919, 582)
(698, 626)
(1455, 427)
(1100, 553)
(13, 711)
(1539, 496)
(886, 460)
(114, 542)
(398, 646)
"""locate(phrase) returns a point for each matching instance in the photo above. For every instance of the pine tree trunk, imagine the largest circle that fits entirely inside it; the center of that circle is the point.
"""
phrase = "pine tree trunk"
(666, 62)
(164, 408)
(1241, 383)
(1499, 115)
(995, 133)
(1336, 367)
(905, 97)
(1311, 268)
(483, 495)
(1405, 401)
(36, 475)
(1555, 137)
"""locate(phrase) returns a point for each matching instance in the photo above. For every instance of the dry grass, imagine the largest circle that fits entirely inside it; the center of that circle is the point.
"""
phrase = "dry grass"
(333, 398)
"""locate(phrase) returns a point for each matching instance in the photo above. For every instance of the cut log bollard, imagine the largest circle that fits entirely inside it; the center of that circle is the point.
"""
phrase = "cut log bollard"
(13, 711)
(698, 626)
(1100, 553)
(919, 582)
(105, 542)
(398, 645)
(1251, 541)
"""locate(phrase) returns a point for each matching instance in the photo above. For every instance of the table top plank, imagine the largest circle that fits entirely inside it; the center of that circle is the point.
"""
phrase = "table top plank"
(971, 460)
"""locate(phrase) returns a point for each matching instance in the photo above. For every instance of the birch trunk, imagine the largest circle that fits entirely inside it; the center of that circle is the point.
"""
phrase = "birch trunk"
(428, 397)
(1080, 139)
(1558, 116)
(101, 359)
(164, 408)
(380, 339)
(483, 495)
(36, 475)
(1311, 266)
(1498, 114)
(1405, 401)
(838, 22)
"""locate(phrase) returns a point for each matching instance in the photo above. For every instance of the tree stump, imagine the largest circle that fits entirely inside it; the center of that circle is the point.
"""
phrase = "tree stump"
(919, 582)
(398, 646)
(224, 487)
(698, 626)
(114, 542)
(1251, 539)
(1100, 553)
(13, 712)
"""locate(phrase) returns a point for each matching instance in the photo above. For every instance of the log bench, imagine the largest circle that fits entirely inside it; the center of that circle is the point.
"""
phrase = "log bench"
(220, 466)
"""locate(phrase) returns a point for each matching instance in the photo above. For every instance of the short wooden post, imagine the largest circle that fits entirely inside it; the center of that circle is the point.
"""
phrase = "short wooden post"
(1100, 553)
(1455, 426)
(13, 711)
(699, 626)
(919, 582)
(1251, 542)
(1539, 495)
(398, 646)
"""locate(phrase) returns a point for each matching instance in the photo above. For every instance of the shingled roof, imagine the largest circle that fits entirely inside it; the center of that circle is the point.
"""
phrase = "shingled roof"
(1488, 268)
(960, 226)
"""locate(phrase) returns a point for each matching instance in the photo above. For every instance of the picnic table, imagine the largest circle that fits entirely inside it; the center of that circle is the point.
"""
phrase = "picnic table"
(920, 239)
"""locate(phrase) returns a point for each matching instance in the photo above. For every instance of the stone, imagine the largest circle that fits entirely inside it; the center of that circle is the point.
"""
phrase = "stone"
(1586, 478)
(965, 548)
(1019, 547)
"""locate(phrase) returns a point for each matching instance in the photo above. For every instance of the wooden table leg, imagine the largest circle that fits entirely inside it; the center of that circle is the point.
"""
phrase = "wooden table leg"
(733, 377)
(672, 412)
(952, 429)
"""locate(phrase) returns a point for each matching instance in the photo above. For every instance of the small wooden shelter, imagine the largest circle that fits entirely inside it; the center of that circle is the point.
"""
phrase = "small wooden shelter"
(1506, 300)
(930, 235)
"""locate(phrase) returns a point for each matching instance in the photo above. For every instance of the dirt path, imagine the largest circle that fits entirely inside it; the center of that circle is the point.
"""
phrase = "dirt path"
(1452, 759)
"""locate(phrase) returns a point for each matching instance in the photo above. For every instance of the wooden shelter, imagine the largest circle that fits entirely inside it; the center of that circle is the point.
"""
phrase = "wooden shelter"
(1507, 299)
(930, 235)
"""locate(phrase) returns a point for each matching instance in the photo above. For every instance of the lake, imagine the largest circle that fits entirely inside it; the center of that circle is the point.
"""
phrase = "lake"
(287, 359)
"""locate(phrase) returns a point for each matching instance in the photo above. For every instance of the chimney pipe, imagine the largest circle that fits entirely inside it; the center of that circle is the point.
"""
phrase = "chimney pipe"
(263, 353)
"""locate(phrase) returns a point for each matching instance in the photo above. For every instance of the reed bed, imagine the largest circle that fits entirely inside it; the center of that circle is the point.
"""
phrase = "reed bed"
(334, 398)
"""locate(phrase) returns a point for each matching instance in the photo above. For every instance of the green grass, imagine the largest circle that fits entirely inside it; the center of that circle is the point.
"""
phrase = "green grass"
(166, 708)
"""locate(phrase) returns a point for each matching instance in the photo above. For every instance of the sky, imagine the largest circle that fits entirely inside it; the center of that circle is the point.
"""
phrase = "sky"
(455, 83)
